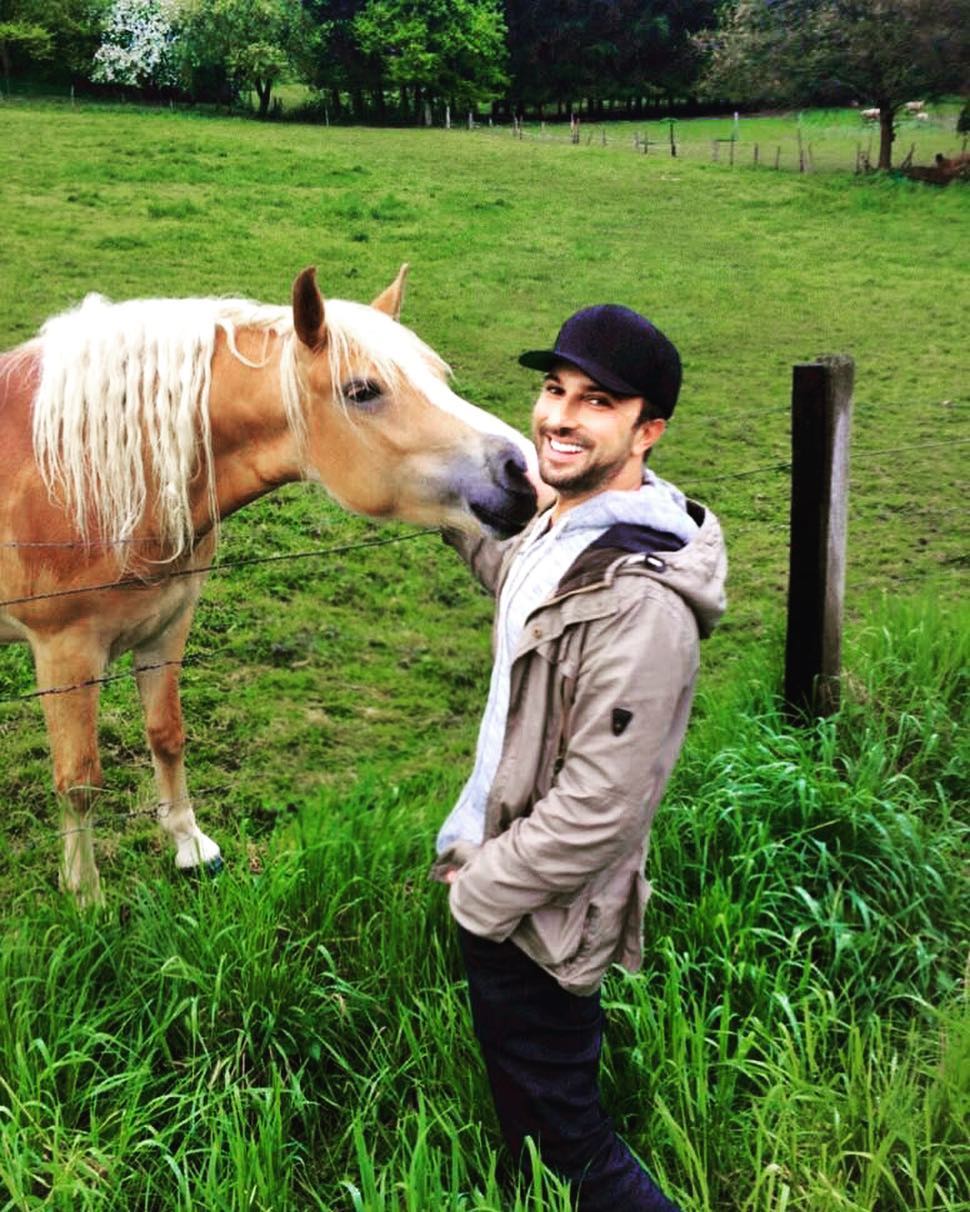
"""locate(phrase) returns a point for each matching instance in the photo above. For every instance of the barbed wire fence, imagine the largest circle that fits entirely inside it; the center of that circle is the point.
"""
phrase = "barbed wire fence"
(147, 583)
(771, 474)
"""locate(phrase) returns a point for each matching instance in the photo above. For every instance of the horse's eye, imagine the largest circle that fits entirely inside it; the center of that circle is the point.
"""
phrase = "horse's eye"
(362, 392)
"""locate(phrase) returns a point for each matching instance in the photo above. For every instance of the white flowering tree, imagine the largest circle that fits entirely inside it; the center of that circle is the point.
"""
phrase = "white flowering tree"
(139, 44)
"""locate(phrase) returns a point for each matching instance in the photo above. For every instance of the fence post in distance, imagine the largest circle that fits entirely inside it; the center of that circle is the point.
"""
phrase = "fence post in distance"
(821, 421)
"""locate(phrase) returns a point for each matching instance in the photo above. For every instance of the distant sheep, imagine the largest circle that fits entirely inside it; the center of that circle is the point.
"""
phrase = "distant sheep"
(912, 108)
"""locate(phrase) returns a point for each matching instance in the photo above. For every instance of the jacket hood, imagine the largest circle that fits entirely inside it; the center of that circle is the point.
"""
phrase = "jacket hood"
(685, 553)
(657, 504)
(698, 571)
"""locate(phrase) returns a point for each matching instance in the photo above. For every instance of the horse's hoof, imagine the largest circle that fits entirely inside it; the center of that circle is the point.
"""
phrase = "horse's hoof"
(200, 871)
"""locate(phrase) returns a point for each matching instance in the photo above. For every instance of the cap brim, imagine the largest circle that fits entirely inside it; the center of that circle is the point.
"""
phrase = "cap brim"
(546, 359)
(537, 359)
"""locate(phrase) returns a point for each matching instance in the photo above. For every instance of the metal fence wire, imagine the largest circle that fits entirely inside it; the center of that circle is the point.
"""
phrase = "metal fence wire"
(156, 809)
(135, 583)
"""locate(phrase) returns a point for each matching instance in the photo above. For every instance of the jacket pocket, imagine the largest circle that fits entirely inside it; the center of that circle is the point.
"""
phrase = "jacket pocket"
(554, 934)
(612, 929)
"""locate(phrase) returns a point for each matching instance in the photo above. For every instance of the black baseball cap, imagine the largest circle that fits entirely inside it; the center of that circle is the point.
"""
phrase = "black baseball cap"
(621, 350)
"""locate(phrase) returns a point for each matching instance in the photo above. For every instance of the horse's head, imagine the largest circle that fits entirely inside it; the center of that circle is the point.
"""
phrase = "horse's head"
(385, 434)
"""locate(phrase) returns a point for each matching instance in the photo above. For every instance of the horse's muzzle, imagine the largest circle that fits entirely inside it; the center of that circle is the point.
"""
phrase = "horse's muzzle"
(504, 499)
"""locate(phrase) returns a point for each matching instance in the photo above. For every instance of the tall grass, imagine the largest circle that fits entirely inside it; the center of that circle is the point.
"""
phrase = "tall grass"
(294, 1034)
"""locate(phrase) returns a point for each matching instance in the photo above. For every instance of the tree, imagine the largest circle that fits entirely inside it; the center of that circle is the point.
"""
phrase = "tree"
(448, 49)
(138, 45)
(26, 38)
(656, 53)
(880, 52)
(57, 36)
(251, 43)
(603, 50)
(332, 60)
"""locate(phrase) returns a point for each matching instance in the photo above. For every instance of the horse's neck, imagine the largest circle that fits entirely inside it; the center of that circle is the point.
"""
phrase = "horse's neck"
(253, 448)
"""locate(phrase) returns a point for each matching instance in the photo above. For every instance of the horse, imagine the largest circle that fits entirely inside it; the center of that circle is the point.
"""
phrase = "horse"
(129, 430)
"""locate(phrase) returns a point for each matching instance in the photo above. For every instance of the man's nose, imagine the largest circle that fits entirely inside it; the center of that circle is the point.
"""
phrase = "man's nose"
(562, 415)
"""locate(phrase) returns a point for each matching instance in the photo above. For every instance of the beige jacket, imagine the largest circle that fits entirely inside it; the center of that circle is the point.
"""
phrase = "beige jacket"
(601, 691)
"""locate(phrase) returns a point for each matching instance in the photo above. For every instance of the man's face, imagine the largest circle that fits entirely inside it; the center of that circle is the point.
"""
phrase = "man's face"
(588, 438)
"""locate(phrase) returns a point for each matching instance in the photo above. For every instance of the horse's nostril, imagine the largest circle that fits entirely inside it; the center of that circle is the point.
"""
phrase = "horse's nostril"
(509, 467)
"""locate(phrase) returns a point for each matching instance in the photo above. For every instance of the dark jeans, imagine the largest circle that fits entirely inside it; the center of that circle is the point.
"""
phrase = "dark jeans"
(542, 1048)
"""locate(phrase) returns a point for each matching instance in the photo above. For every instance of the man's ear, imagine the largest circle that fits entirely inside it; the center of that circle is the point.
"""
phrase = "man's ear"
(649, 433)
(389, 301)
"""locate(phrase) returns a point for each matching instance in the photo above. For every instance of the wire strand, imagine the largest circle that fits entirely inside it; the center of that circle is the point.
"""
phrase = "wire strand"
(100, 681)
(139, 583)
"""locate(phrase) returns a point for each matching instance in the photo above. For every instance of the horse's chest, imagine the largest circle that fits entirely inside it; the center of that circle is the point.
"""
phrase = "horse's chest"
(150, 618)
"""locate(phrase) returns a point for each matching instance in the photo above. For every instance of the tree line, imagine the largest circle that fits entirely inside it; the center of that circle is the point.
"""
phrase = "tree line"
(406, 60)
(373, 58)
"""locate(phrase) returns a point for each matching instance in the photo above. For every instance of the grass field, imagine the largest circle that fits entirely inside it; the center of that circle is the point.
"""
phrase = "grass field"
(295, 1032)
(830, 138)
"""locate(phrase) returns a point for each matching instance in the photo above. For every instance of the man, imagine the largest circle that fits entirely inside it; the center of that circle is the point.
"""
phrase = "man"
(601, 603)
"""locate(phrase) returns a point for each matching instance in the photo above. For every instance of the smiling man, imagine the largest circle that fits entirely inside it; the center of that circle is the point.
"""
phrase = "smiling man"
(602, 602)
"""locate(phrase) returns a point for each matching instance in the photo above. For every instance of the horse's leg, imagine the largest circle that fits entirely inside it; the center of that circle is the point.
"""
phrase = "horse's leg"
(72, 725)
(157, 668)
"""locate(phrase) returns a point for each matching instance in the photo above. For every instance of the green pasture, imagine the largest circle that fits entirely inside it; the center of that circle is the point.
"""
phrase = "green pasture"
(824, 140)
(294, 1035)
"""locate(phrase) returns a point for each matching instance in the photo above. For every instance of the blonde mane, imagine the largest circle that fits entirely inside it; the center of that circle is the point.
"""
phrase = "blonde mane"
(121, 414)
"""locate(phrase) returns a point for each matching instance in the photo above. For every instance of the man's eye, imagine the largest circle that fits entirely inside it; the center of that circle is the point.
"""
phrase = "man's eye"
(362, 392)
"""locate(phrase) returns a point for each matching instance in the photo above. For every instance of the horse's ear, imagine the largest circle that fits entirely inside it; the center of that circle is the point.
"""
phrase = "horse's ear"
(308, 309)
(389, 301)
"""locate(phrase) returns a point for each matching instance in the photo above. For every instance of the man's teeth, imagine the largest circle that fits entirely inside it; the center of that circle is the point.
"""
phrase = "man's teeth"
(564, 447)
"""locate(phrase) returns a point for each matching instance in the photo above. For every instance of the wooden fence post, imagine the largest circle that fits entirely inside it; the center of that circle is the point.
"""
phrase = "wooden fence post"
(821, 420)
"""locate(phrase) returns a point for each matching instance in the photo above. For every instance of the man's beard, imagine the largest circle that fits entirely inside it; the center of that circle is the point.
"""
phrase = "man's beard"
(578, 483)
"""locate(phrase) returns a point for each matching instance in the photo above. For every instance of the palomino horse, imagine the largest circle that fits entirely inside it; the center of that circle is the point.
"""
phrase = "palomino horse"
(128, 431)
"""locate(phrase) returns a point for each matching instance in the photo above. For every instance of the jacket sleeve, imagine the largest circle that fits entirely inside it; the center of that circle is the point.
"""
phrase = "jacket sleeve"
(627, 722)
(482, 554)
